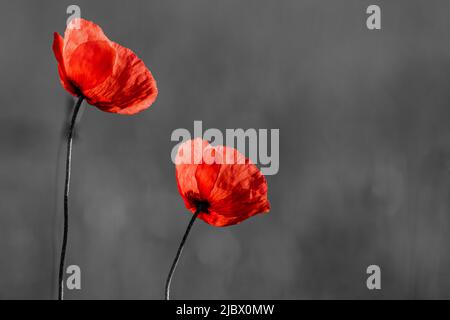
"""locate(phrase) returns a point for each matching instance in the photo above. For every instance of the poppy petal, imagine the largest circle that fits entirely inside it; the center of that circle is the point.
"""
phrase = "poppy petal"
(240, 191)
(79, 31)
(109, 76)
(207, 172)
(188, 155)
(88, 53)
(130, 89)
(91, 63)
(58, 43)
(234, 191)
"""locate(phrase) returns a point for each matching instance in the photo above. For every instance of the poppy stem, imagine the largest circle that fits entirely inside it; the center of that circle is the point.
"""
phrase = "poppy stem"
(66, 198)
(180, 250)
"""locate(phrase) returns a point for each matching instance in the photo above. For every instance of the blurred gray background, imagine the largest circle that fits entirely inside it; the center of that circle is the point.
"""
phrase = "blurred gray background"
(364, 151)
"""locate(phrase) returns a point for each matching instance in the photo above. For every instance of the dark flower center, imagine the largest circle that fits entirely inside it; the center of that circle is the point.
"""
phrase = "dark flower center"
(202, 205)
(197, 201)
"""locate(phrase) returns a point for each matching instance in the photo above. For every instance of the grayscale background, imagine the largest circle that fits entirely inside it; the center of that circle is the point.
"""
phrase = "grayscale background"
(364, 119)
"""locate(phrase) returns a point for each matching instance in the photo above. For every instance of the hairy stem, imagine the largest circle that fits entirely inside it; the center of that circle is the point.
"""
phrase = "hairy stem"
(66, 198)
(180, 250)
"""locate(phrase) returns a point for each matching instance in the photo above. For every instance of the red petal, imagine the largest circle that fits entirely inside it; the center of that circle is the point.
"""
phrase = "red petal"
(186, 168)
(240, 191)
(207, 172)
(80, 31)
(110, 76)
(89, 55)
(234, 191)
(90, 64)
(58, 42)
(130, 89)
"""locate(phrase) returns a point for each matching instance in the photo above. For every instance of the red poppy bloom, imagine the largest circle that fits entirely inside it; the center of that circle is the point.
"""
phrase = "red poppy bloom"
(221, 182)
(107, 75)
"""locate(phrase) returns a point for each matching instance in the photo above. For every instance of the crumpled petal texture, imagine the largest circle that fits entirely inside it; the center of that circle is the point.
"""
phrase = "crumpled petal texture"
(109, 76)
(233, 191)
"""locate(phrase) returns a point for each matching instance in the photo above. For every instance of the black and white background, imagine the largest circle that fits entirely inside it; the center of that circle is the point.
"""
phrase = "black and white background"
(364, 119)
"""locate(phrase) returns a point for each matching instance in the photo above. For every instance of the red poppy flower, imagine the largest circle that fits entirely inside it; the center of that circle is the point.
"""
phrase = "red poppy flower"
(107, 75)
(222, 183)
